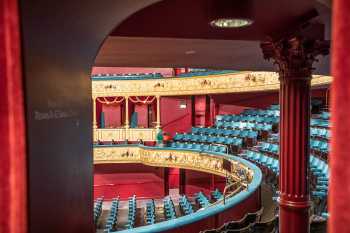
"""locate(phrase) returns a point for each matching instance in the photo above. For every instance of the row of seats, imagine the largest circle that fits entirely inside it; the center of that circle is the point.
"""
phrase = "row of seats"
(247, 118)
(150, 212)
(98, 209)
(266, 156)
(185, 205)
(112, 217)
(222, 132)
(199, 147)
(216, 195)
(325, 115)
(244, 125)
(314, 122)
(317, 145)
(320, 170)
(262, 159)
(209, 139)
(269, 147)
(132, 212)
(321, 146)
(273, 110)
(205, 73)
(126, 76)
(202, 200)
(320, 132)
(169, 208)
(275, 107)
(318, 167)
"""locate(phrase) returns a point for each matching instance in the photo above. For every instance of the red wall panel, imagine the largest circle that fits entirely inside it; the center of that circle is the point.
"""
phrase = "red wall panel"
(125, 180)
(231, 109)
(200, 181)
(142, 115)
(174, 178)
(173, 118)
(200, 110)
(112, 115)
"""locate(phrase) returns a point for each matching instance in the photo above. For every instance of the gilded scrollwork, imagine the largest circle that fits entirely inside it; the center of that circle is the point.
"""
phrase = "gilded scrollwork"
(121, 134)
(224, 83)
(173, 158)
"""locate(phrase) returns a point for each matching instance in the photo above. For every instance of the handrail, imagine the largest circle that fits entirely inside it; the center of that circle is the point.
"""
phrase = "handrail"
(218, 144)
(231, 200)
(199, 85)
(225, 190)
(240, 185)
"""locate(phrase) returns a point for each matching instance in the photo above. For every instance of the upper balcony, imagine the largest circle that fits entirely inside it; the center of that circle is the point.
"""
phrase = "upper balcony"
(216, 83)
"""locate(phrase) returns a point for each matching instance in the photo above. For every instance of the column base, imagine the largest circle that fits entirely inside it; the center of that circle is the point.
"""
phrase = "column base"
(294, 216)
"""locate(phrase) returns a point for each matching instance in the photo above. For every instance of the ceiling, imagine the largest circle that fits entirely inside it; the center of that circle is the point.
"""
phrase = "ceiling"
(176, 33)
(160, 52)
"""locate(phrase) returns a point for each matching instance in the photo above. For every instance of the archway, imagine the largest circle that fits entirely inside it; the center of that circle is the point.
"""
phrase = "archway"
(61, 48)
(60, 41)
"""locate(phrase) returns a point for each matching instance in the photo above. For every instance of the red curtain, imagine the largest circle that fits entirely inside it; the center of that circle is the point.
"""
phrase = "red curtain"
(339, 202)
(12, 137)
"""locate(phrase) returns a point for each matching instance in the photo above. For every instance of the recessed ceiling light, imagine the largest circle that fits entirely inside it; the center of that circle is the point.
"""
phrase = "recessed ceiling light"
(231, 22)
(188, 52)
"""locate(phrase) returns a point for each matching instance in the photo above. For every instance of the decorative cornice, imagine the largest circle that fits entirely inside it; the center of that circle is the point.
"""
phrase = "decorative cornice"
(214, 84)
(295, 55)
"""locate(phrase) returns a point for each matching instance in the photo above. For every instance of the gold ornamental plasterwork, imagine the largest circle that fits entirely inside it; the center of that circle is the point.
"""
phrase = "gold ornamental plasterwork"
(173, 158)
(122, 134)
(213, 84)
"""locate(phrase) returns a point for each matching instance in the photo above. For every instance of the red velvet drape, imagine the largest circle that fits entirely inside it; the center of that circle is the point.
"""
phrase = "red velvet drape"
(339, 201)
(12, 137)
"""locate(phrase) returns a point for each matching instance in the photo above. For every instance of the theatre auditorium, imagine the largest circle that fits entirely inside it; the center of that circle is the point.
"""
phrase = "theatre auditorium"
(175, 116)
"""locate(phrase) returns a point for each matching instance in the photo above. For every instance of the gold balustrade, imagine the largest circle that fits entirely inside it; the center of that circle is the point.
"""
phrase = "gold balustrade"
(164, 157)
(213, 84)
(122, 134)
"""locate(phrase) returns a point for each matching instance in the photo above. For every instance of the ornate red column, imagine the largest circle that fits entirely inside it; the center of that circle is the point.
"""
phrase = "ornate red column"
(166, 181)
(182, 183)
(177, 71)
(207, 118)
(294, 57)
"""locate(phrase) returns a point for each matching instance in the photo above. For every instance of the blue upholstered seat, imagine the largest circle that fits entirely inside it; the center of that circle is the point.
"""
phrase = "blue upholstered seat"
(219, 117)
(219, 124)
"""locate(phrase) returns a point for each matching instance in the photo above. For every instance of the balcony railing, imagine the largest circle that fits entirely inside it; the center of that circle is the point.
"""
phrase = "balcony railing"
(200, 85)
(122, 134)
